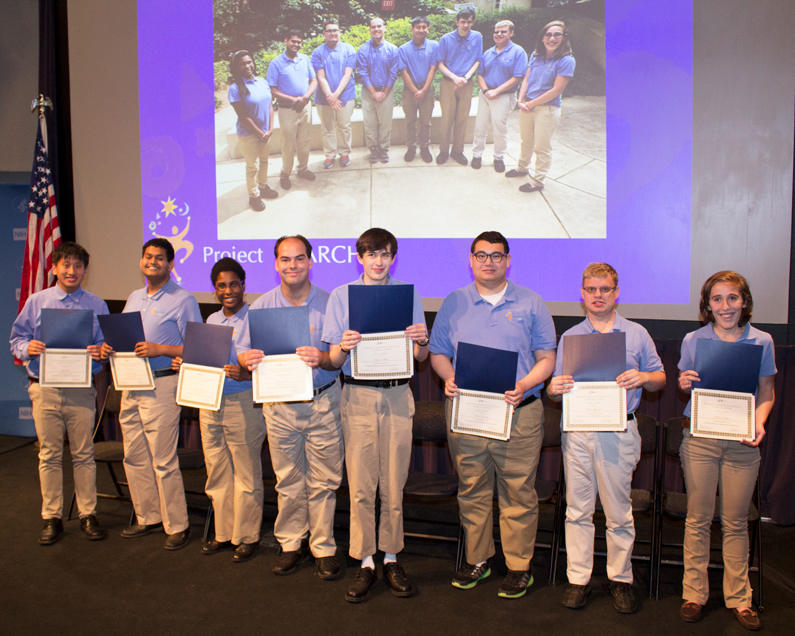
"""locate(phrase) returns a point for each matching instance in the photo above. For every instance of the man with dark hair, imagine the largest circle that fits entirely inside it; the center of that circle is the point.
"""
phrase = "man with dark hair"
(457, 57)
(292, 81)
(494, 312)
(305, 438)
(150, 419)
(417, 67)
(66, 411)
(334, 62)
(377, 426)
(376, 65)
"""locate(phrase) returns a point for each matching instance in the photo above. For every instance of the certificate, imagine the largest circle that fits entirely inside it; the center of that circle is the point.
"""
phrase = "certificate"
(383, 356)
(595, 406)
(200, 387)
(65, 369)
(131, 373)
(723, 415)
(282, 378)
(483, 414)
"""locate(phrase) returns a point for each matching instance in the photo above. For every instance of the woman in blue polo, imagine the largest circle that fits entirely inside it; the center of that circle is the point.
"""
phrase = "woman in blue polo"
(550, 68)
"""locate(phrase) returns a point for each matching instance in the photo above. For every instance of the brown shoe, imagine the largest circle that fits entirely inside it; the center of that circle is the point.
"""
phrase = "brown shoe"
(690, 612)
(748, 618)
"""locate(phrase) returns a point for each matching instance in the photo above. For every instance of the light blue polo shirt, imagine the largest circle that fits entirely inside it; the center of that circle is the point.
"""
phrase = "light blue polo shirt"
(257, 103)
(641, 352)
(334, 62)
(543, 73)
(317, 302)
(27, 326)
(338, 319)
(417, 59)
(519, 322)
(377, 65)
(497, 67)
(240, 324)
(164, 315)
(291, 76)
(459, 54)
(751, 335)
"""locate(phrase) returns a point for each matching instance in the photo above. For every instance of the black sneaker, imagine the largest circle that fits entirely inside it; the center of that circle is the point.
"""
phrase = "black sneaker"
(442, 158)
(575, 595)
(383, 155)
(426, 155)
(284, 182)
(411, 152)
(373, 158)
(624, 600)
(499, 165)
(515, 173)
(476, 163)
(459, 157)
(470, 575)
(515, 584)
(267, 192)
(256, 204)
(306, 175)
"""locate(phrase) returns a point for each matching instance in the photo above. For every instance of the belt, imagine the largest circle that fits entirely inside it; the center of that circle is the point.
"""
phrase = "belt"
(34, 380)
(528, 401)
(162, 373)
(320, 389)
(377, 384)
(284, 104)
(379, 89)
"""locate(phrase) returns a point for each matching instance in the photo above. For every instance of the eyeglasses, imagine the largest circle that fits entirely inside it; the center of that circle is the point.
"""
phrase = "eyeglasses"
(502, 32)
(495, 257)
(331, 31)
(553, 36)
(233, 286)
(604, 290)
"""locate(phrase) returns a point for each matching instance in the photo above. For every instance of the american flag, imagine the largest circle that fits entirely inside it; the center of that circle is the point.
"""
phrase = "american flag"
(44, 235)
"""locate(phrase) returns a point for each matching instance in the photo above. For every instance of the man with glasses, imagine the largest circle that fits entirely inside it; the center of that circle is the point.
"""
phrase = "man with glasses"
(305, 437)
(496, 313)
(292, 81)
(334, 62)
(603, 462)
(457, 58)
(377, 65)
(501, 70)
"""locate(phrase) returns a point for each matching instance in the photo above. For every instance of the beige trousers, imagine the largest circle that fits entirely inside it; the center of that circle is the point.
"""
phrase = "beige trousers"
(418, 129)
(296, 137)
(335, 127)
(377, 119)
(256, 153)
(536, 129)
(455, 103)
(495, 113)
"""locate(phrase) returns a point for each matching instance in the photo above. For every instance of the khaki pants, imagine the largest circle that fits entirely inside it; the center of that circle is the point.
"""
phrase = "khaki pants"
(232, 442)
(496, 113)
(335, 127)
(305, 440)
(377, 119)
(478, 461)
(296, 137)
(709, 464)
(150, 426)
(70, 411)
(377, 426)
(455, 103)
(536, 129)
(256, 153)
(418, 130)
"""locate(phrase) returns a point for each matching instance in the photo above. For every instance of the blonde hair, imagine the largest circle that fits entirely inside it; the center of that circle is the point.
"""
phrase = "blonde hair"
(600, 270)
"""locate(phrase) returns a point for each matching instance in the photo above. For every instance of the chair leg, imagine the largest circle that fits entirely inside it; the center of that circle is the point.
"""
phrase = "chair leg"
(208, 522)
(71, 505)
(557, 529)
(462, 542)
(133, 518)
(115, 480)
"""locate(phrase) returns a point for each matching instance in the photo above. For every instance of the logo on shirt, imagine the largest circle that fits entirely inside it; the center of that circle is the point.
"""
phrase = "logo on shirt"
(311, 328)
(509, 315)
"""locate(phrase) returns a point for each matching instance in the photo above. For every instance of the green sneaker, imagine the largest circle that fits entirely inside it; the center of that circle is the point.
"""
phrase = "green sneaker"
(515, 584)
(470, 575)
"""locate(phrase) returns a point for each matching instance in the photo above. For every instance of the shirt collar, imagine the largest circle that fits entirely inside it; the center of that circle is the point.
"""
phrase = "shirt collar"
(60, 294)
(419, 48)
(159, 292)
(507, 48)
(618, 324)
(307, 300)
(744, 336)
(239, 316)
(508, 296)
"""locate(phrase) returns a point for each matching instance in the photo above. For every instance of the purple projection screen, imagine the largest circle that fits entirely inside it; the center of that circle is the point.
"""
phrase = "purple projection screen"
(649, 75)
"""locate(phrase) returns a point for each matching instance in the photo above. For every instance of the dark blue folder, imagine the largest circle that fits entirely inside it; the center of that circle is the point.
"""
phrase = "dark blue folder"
(380, 308)
(595, 357)
(207, 345)
(122, 331)
(67, 328)
(480, 368)
(727, 366)
(279, 330)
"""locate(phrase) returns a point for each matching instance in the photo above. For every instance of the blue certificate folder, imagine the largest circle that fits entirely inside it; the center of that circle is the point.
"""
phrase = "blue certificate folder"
(485, 369)
(67, 328)
(122, 331)
(207, 345)
(727, 366)
(279, 330)
(380, 308)
(595, 357)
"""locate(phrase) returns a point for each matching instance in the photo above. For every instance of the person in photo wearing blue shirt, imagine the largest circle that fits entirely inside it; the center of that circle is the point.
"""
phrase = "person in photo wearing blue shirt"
(334, 63)
(417, 67)
(305, 438)
(726, 306)
(250, 96)
(60, 412)
(292, 81)
(494, 312)
(604, 462)
(548, 73)
(457, 58)
(149, 420)
(502, 68)
(377, 66)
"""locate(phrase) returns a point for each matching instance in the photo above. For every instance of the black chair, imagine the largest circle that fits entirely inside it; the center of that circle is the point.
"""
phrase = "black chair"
(674, 505)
